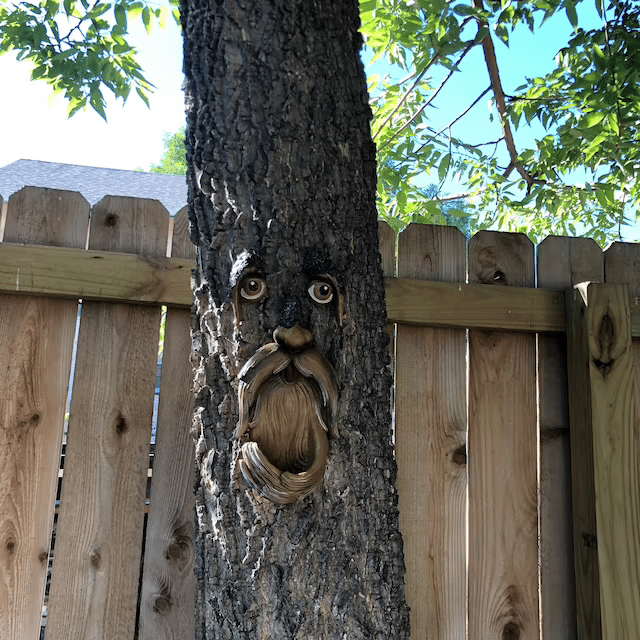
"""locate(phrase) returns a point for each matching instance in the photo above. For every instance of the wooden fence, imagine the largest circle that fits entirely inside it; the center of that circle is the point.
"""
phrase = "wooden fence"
(497, 544)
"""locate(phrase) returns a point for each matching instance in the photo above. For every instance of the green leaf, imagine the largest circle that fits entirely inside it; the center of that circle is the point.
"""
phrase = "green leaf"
(444, 166)
(146, 19)
(592, 119)
(463, 10)
(144, 96)
(572, 15)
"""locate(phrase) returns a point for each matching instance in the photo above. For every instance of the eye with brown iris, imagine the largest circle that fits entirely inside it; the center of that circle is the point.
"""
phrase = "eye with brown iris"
(253, 288)
(321, 292)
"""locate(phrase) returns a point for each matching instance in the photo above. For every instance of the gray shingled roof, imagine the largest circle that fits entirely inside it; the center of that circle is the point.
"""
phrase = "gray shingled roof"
(94, 182)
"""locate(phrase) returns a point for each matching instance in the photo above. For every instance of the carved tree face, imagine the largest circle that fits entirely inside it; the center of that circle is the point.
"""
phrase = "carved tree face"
(288, 392)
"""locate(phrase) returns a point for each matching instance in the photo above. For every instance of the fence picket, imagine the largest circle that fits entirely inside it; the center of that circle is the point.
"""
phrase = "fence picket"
(622, 265)
(562, 262)
(503, 504)
(168, 583)
(430, 444)
(96, 572)
(602, 313)
(35, 352)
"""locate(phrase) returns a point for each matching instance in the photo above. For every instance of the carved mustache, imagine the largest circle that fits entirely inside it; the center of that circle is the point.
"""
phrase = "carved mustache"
(288, 404)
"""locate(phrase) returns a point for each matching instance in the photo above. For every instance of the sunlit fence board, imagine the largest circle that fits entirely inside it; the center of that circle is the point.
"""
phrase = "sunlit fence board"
(168, 583)
(97, 556)
(431, 444)
(562, 262)
(36, 343)
(503, 488)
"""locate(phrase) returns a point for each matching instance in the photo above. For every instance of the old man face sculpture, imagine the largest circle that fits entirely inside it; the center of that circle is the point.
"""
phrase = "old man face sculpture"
(287, 391)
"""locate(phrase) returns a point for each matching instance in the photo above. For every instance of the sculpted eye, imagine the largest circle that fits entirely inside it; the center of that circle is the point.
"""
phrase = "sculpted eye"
(321, 291)
(253, 288)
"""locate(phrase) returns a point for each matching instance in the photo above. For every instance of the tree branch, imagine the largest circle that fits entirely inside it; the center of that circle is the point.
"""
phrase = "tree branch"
(498, 92)
(428, 102)
(464, 113)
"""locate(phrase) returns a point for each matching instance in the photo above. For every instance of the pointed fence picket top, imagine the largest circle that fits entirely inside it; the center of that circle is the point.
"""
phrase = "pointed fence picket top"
(94, 589)
(168, 583)
(35, 356)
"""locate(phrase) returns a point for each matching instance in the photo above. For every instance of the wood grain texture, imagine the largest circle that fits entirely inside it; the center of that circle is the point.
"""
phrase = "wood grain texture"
(616, 458)
(410, 301)
(114, 276)
(582, 469)
(562, 262)
(168, 582)
(503, 492)
(100, 275)
(622, 265)
(431, 444)
(35, 357)
(94, 587)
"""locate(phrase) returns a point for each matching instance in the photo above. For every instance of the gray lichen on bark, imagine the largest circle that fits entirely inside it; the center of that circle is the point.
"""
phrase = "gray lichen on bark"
(282, 178)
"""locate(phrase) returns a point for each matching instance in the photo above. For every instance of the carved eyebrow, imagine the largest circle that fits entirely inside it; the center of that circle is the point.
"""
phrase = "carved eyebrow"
(245, 264)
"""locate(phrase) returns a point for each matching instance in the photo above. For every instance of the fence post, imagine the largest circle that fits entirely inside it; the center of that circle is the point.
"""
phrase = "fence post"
(605, 459)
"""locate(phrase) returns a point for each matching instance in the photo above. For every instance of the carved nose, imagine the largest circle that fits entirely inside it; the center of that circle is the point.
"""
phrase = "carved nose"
(294, 338)
(290, 314)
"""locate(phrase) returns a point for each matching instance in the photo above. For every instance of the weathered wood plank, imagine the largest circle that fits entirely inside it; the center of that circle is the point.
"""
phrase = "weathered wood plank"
(474, 306)
(503, 492)
(617, 460)
(168, 583)
(94, 587)
(610, 390)
(107, 275)
(35, 357)
(431, 444)
(95, 274)
(582, 471)
(562, 262)
(622, 265)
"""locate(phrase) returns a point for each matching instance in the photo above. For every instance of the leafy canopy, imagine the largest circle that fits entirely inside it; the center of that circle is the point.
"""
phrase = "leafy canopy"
(578, 177)
(80, 47)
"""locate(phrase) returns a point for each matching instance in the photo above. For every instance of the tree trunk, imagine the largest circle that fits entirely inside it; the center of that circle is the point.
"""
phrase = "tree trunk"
(282, 206)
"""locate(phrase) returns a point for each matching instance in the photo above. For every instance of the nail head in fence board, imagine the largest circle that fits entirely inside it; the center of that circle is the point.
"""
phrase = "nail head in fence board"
(94, 587)
(562, 262)
(168, 583)
(35, 357)
(431, 444)
(503, 504)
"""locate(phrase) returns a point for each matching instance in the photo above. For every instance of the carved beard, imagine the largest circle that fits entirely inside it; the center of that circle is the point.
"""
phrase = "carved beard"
(288, 404)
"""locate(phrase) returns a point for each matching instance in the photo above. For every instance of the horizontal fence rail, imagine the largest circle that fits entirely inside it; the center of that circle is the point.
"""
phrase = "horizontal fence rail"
(516, 403)
(106, 275)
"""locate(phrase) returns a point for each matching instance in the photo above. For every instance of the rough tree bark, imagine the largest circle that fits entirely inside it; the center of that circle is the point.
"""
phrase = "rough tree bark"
(282, 195)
